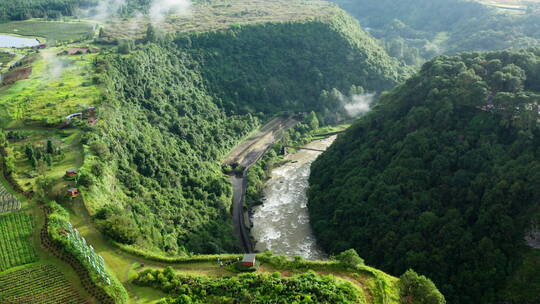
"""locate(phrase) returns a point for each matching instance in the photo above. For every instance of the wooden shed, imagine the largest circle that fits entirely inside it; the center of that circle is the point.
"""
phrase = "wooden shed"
(71, 172)
(73, 192)
(248, 260)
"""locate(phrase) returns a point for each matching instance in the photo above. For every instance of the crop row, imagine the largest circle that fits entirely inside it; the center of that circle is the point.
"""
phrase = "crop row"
(15, 246)
(43, 284)
(8, 202)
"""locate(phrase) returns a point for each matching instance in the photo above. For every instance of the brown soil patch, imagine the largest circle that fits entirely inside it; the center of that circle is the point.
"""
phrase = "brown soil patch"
(17, 74)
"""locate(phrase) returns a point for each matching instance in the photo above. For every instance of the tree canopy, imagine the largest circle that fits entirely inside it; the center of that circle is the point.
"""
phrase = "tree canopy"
(442, 176)
(411, 33)
(177, 104)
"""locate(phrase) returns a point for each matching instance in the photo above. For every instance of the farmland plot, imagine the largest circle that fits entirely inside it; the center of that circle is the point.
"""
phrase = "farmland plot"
(15, 246)
(42, 284)
(8, 202)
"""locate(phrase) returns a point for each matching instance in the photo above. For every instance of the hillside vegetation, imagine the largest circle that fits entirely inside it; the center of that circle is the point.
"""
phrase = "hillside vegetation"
(178, 105)
(22, 10)
(212, 15)
(304, 58)
(281, 280)
(411, 33)
(442, 176)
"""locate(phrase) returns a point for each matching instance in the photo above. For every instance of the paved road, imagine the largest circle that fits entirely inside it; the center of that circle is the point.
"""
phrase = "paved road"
(246, 154)
(240, 230)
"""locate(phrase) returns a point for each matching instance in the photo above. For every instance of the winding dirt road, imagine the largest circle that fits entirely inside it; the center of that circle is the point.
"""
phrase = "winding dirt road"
(246, 154)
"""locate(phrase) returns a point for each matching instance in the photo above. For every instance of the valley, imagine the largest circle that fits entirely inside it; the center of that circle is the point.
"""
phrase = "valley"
(169, 151)
(72, 155)
(281, 223)
(240, 159)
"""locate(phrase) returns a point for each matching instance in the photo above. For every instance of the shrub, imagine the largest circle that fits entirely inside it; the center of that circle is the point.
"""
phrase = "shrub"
(119, 228)
(350, 258)
(418, 289)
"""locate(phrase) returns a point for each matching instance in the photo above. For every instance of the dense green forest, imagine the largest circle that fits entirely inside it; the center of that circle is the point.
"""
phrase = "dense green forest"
(286, 66)
(22, 10)
(178, 105)
(442, 176)
(410, 32)
(164, 135)
(54, 9)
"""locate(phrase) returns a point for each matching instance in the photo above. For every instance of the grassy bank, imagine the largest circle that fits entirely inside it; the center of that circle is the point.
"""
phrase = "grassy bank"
(51, 31)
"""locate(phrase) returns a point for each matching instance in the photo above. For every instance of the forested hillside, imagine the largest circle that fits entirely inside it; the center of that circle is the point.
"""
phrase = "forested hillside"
(285, 66)
(410, 31)
(163, 135)
(173, 116)
(442, 176)
(22, 10)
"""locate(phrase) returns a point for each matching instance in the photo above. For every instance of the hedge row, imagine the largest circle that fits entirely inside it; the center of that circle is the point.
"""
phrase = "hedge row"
(57, 220)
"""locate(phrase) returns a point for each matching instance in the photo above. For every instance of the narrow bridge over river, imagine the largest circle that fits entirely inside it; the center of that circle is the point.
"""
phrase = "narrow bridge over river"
(303, 148)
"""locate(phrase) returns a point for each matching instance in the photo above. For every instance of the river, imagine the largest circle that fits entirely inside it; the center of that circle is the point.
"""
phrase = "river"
(281, 224)
(17, 42)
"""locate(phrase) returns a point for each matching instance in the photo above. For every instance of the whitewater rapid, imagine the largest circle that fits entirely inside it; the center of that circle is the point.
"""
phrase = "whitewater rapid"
(281, 224)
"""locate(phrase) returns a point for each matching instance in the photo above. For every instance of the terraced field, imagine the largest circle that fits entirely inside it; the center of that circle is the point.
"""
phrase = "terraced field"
(8, 202)
(15, 246)
(42, 284)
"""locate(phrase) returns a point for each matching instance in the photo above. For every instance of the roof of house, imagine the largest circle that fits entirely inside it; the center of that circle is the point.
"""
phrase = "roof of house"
(70, 116)
(73, 189)
(72, 171)
(79, 50)
(248, 258)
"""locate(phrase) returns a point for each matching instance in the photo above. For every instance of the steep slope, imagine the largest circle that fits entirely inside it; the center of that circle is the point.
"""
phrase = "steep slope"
(156, 182)
(442, 176)
(410, 32)
(286, 65)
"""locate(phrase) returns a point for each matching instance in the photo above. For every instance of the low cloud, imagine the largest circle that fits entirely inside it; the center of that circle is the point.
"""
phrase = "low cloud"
(104, 10)
(55, 65)
(357, 104)
(161, 8)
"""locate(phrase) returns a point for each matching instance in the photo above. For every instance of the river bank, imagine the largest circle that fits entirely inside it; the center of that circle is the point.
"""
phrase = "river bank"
(281, 223)
(238, 162)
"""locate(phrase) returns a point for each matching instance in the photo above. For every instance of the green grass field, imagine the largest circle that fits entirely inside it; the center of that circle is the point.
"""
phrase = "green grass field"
(5, 58)
(70, 155)
(15, 245)
(50, 30)
(40, 284)
(57, 87)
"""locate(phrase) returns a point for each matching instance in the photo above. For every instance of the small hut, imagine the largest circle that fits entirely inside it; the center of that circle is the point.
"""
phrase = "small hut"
(248, 260)
(90, 111)
(71, 173)
(73, 192)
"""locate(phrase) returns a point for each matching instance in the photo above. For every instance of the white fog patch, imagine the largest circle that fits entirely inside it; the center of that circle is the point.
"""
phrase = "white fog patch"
(357, 104)
(532, 237)
(55, 65)
(161, 8)
(104, 10)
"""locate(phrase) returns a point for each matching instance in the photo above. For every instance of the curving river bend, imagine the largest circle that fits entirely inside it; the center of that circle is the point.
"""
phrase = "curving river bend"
(281, 224)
